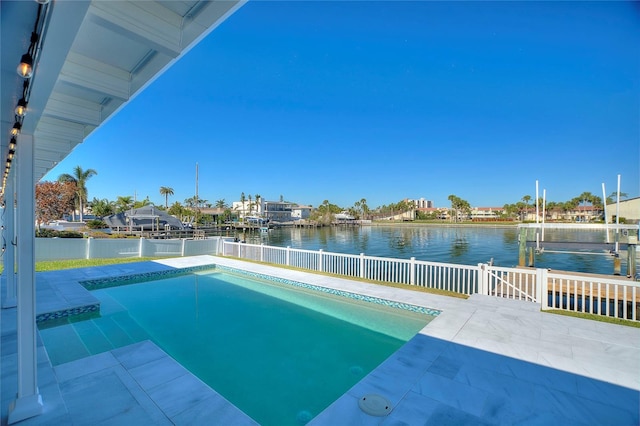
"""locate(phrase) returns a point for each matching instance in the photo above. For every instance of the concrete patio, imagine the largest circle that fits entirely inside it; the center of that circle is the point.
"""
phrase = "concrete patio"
(481, 361)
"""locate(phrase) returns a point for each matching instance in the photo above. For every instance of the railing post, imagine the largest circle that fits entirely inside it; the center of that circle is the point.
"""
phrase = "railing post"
(412, 272)
(320, 268)
(362, 271)
(88, 252)
(482, 279)
(184, 241)
(288, 256)
(261, 252)
(141, 247)
(542, 281)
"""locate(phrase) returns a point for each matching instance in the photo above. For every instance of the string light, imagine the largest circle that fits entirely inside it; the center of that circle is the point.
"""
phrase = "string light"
(15, 130)
(25, 70)
(25, 67)
(21, 108)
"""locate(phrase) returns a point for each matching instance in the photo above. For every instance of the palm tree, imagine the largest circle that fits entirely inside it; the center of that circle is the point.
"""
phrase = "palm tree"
(526, 200)
(584, 198)
(611, 199)
(242, 200)
(102, 207)
(142, 203)
(166, 191)
(124, 203)
(364, 207)
(191, 202)
(221, 204)
(80, 178)
(459, 205)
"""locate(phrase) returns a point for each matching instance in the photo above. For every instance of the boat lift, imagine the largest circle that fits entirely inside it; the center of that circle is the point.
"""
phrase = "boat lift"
(531, 242)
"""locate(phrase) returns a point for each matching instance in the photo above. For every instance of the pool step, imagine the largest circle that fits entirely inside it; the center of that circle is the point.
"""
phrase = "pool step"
(63, 344)
(80, 339)
(91, 335)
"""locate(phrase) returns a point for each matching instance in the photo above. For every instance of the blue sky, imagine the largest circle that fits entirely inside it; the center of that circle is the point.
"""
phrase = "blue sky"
(385, 101)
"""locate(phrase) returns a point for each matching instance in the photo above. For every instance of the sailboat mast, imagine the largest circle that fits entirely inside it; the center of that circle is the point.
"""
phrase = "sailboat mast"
(196, 200)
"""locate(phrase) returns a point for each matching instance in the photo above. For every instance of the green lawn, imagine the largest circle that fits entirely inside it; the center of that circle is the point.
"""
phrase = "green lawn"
(601, 318)
(55, 265)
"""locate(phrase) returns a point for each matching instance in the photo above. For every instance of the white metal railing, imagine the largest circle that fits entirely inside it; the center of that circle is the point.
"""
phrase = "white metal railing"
(512, 283)
(567, 291)
(602, 296)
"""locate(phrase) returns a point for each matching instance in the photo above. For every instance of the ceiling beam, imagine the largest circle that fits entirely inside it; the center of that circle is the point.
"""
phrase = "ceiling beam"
(70, 108)
(51, 127)
(149, 23)
(81, 71)
(64, 23)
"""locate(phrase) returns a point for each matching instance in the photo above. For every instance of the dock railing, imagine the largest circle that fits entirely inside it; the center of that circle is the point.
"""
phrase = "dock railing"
(614, 297)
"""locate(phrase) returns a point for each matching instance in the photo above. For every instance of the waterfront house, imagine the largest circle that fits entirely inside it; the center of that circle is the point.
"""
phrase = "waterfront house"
(483, 214)
(629, 210)
(301, 212)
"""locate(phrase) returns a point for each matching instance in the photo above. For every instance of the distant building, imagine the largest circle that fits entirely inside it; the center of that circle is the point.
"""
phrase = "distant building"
(343, 217)
(300, 212)
(584, 214)
(629, 210)
(421, 203)
(486, 213)
(437, 212)
(277, 211)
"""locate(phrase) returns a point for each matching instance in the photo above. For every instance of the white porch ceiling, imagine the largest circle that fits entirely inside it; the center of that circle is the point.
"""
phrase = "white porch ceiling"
(95, 57)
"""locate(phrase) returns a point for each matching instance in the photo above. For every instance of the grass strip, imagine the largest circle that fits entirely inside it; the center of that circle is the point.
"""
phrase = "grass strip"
(594, 317)
(56, 265)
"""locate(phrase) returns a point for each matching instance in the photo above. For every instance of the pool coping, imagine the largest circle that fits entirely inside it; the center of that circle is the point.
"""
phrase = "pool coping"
(481, 323)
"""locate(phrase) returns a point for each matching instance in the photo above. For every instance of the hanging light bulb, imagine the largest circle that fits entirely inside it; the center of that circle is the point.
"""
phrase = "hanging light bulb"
(21, 108)
(11, 155)
(42, 1)
(15, 130)
(25, 69)
(12, 144)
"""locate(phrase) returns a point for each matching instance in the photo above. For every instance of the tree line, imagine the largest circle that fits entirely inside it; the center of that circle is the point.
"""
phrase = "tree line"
(69, 195)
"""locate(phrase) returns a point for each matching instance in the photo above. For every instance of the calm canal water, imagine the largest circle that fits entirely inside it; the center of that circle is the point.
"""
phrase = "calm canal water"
(449, 244)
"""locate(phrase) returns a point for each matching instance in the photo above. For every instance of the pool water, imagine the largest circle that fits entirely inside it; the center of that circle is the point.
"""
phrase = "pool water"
(278, 352)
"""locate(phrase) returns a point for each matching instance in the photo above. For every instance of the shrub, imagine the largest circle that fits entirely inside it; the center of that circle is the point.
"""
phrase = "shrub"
(96, 224)
(52, 233)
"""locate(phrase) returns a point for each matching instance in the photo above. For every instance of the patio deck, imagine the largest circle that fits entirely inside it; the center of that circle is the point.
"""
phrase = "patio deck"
(483, 360)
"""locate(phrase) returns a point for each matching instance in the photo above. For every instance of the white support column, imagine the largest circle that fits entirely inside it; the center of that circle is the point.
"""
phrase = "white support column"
(9, 257)
(29, 401)
(88, 253)
(141, 247)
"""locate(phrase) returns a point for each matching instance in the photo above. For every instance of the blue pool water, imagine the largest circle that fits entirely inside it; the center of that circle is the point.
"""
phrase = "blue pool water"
(278, 352)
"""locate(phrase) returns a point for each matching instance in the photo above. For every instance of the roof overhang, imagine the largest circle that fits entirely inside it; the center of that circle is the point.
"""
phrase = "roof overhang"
(95, 56)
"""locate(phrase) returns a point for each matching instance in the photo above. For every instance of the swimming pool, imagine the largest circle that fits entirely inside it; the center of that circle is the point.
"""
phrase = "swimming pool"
(279, 352)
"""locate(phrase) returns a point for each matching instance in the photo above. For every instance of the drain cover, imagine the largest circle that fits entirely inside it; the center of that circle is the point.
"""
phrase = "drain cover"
(375, 405)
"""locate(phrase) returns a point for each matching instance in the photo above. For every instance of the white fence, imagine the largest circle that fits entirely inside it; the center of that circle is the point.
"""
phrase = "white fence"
(566, 291)
(106, 248)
